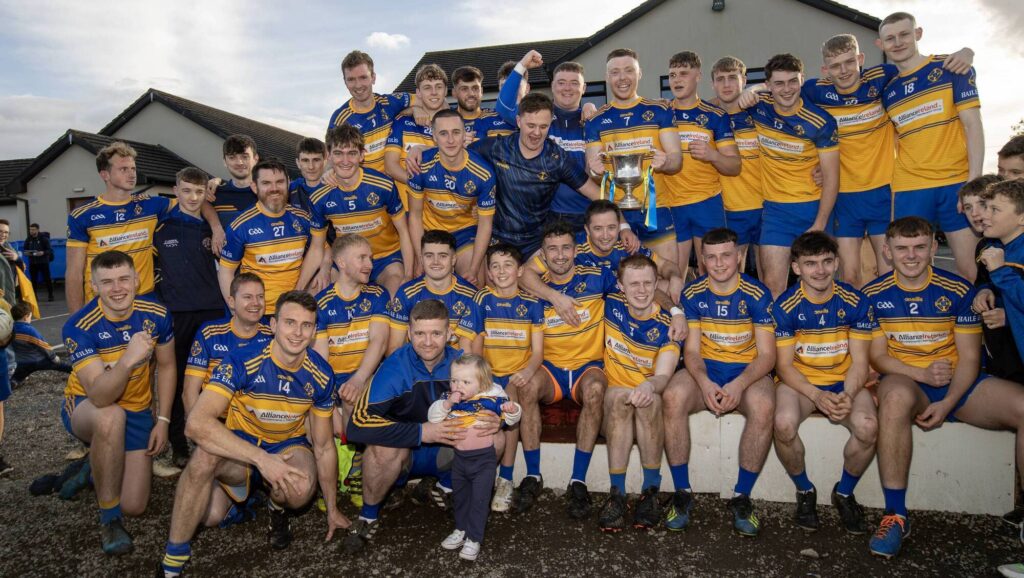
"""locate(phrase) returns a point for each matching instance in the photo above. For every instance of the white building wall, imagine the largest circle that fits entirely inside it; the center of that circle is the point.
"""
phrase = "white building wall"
(158, 124)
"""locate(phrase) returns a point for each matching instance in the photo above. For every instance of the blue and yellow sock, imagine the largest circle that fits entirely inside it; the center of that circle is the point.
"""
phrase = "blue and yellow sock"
(532, 458)
(175, 558)
(896, 501)
(110, 511)
(580, 465)
(745, 482)
(847, 483)
(803, 483)
(680, 476)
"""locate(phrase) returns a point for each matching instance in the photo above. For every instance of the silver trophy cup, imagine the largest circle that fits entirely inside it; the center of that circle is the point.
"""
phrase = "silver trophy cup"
(627, 173)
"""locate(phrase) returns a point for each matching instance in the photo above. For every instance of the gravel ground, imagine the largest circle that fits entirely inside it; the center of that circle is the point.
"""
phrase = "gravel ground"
(44, 536)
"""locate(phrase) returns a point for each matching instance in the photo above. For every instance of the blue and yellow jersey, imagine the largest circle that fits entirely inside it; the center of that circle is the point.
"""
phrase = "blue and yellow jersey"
(89, 335)
(231, 201)
(405, 133)
(508, 325)
(269, 401)
(214, 341)
(345, 322)
(102, 225)
(924, 105)
(867, 151)
(789, 145)
(569, 347)
(698, 180)
(919, 326)
(634, 128)
(374, 124)
(486, 123)
(820, 332)
(453, 197)
(366, 209)
(271, 245)
(464, 414)
(631, 345)
(745, 191)
(727, 321)
(458, 298)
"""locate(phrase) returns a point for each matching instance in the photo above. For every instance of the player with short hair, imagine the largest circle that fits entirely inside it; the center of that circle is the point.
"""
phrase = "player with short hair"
(431, 90)
(365, 202)
(270, 239)
(370, 113)
(454, 192)
(709, 150)
(467, 88)
(507, 328)
(1011, 158)
(270, 393)
(391, 417)
(639, 358)
(310, 156)
(504, 72)
(794, 137)
(823, 333)
(939, 135)
(114, 342)
(439, 281)
(237, 194)
(630, 123)
(743, 194)
(928, 349)
(216, 339)
(729, 353)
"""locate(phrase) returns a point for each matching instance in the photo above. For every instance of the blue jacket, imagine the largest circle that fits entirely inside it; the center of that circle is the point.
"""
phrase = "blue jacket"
(1009, 283)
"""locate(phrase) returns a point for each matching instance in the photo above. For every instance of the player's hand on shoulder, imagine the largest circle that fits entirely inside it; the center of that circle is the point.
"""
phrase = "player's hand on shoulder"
(413, 158)
(588, 111)
(330, 178)
(211, 188)
(959, 62)
(748, 98)
(629, 241)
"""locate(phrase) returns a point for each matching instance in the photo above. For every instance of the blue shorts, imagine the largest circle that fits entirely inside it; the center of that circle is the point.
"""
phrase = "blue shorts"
(240, 493)
(339, 380)
(937, 205)
(464, 238)
(566, 380)
(782, 223)
(696, 219)
(722, 372)
(502, 380)
(935, 394)
(838, 387)
(863, 212)
(746, 224)
(427, 460)
(138, 424)
(663, 232)
(380, 264)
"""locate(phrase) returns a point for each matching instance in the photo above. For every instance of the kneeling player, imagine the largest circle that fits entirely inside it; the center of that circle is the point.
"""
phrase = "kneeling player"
(270, 392)
(639, 358)
(823, 333)
(928, 349)
(112, 341)
(729, 353)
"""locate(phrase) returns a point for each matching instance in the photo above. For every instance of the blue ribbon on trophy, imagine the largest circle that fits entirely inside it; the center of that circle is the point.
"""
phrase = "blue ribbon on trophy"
(628, 172)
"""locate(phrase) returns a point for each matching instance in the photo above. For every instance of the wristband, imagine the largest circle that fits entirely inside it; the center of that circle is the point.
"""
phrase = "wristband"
(675, 311)
(624, 226)
(520, 69)
(164, 419)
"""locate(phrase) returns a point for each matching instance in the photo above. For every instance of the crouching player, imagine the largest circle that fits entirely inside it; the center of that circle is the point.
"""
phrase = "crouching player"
(269, 392)
(823, 334)
(639, 358)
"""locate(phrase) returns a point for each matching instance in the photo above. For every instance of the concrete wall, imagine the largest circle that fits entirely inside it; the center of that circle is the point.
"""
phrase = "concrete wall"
(751, 30)
(157, 124)
(15, 215)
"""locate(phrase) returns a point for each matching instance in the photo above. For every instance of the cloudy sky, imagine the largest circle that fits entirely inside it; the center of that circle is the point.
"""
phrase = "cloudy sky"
(72, 64)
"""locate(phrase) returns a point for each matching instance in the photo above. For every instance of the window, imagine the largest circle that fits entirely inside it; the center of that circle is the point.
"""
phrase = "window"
(595, 93)
(755, 75)
(666, 92)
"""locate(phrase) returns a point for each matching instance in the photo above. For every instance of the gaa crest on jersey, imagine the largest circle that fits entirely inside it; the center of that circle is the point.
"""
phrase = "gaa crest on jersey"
(653, 334)
(372, 198)
(872, 92)
(741, 307)
(138, 210)
(459, 309)
(943, 304)
(224, 372)
(70, 344)
(841, 313)
(521, 310)
(394, 306)
(871, 313)
(196, 348)
(542, 176)
(149, 327)
(580, 287)
(470, 187)
(364, 305)
(702, 119)
(297, 226)
(935, 75)
(799, 129)
(308, 388)
(648, 115)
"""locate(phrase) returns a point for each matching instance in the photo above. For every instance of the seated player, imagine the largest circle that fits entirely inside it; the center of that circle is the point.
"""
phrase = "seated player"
(729, 353)
(454, 192)
(216, 339)
(507, 329)
(823, 333)
(639, 358)
(270, 392)
(438, 281)
(928, 350)
(390, 417)
(270, 239)
(431, 89)
(115, 341)
(364, 202)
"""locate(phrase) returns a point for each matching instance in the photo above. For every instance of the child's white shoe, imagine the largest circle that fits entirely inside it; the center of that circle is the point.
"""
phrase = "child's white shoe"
(470, 550)
(454, 540)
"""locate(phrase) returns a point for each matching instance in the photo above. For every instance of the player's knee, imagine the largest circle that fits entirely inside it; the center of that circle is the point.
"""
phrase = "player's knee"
(201, 464)
(865, 429)
(786, 427)
(650, 412)
(110, 421)
(133, 507)
(762, 414)
(592, 393)
(618, 412)
(895, 400)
